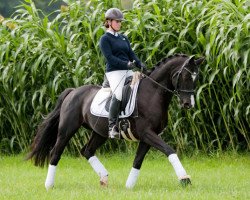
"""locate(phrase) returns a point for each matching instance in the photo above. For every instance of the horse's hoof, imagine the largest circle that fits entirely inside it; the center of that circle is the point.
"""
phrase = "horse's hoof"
(104, 181)
(185, 181)
(49, 187)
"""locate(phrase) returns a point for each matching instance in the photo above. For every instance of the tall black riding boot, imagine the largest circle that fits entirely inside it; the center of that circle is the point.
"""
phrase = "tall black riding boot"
(114, 111)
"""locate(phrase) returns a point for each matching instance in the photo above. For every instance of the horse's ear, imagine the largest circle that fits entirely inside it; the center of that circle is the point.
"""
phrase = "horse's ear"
(191, 60)
(199, 61)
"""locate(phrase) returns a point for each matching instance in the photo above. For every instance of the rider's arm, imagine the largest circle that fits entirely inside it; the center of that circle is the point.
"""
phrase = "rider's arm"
(107, 52)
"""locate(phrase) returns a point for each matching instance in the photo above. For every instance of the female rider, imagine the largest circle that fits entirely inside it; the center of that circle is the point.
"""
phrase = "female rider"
(120, 59)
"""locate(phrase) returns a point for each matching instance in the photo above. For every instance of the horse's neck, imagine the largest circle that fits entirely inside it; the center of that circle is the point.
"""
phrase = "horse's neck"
(160, 93)
(162, 76)
(156, 97)
(153, 103)
(156, 94)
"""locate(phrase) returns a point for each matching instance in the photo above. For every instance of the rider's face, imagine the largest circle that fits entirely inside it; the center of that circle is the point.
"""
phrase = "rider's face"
(116, 24)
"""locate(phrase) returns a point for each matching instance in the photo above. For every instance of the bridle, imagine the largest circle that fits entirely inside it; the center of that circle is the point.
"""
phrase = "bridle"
(178, 73)
(177, 90)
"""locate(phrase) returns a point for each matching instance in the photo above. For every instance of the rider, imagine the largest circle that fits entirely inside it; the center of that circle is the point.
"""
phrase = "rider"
(120, 59)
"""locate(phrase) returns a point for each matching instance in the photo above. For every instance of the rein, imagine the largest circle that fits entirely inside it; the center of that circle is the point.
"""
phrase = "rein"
(162, 86)
(176, 91)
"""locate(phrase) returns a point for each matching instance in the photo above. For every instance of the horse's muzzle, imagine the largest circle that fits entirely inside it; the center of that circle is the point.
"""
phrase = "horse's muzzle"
(188, 103)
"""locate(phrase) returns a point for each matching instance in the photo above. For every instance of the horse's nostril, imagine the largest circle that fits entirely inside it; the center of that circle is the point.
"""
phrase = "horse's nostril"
(186, 105)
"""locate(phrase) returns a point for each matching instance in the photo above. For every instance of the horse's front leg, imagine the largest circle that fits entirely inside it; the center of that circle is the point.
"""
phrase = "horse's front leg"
(134, 173)
(155, 141)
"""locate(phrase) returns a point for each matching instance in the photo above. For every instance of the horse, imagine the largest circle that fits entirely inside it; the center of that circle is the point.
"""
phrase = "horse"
(173, 75)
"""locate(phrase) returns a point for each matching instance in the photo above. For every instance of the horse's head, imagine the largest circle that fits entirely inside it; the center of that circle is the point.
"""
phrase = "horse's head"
(184, 81)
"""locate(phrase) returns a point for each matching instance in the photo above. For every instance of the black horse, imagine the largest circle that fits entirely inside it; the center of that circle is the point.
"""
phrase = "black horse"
(175, 75)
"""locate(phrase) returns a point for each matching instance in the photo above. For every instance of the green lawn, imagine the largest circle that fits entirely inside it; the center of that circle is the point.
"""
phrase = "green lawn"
(213, 177)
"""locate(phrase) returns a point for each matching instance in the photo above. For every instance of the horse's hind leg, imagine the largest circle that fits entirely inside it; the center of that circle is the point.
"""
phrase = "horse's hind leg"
(155, 141)
(134, 173)
(67, 127)
(88, 151)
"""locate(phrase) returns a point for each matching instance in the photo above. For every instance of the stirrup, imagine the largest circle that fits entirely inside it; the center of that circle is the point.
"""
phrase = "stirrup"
(114, 132)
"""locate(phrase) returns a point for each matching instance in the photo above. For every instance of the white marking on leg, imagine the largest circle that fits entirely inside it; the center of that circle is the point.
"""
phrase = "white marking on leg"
(99, 168)
(179, 170)
(192, 100)
(132, 178)
(50, 180)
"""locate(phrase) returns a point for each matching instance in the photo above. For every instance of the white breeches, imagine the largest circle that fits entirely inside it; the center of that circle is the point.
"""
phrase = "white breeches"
(116, 81)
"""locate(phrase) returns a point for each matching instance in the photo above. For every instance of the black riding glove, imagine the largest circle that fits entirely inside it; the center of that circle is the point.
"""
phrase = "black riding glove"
(141, 66)
(144, 69)
(131, 65)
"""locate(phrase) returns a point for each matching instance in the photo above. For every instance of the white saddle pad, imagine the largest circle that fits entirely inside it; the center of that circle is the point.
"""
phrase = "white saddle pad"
(97, 107)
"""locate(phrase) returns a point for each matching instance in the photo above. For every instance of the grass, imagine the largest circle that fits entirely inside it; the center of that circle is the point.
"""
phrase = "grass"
(40, 57)
(214, 177)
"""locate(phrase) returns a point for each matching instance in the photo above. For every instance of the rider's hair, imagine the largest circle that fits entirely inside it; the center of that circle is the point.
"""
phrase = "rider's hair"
(106, 24)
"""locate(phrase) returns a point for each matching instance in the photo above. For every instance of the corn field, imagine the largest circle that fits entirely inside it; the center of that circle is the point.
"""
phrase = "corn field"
(39, 58)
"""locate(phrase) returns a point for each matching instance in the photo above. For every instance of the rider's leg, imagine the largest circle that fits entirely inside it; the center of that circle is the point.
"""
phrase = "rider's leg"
(116, 80)
(114, 111)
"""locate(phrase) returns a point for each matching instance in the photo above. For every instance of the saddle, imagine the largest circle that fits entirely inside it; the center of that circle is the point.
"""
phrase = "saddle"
(100, 104)
(126, 92)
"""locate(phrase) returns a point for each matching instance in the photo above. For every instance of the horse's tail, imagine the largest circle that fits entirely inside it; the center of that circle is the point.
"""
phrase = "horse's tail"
(46, 135)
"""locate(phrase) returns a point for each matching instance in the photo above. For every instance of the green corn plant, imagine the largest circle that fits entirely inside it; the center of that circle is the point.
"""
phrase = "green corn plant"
(40, 57)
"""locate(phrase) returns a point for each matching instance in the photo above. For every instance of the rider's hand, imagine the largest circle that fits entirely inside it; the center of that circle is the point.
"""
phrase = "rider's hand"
(144, 69)
(131, 65)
